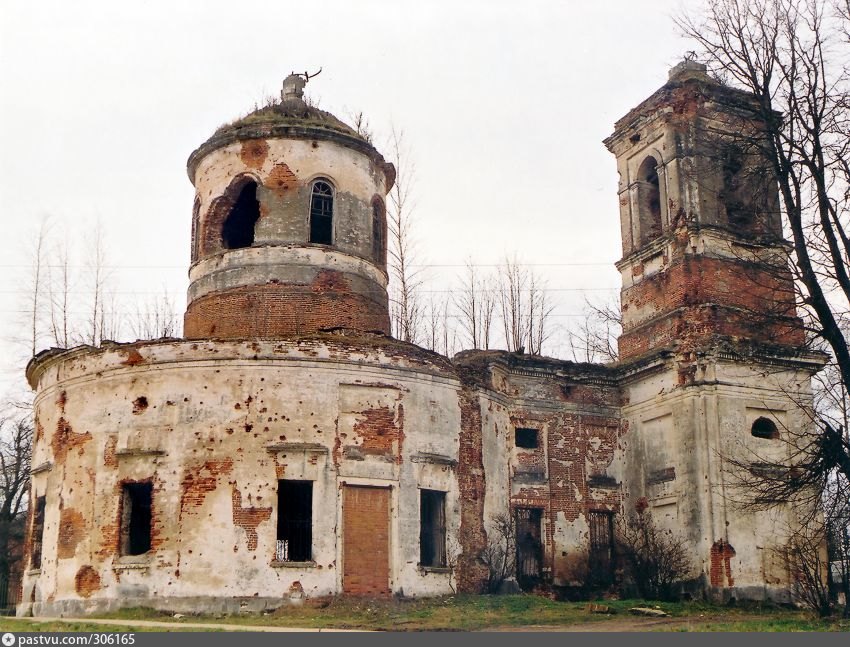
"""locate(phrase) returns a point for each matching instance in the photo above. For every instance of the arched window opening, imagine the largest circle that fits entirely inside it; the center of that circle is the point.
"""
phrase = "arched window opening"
(196, 216)
(738, 193)
(765, 428)
(321, 213)
(649, 200)
(238, 228)
(379, 232)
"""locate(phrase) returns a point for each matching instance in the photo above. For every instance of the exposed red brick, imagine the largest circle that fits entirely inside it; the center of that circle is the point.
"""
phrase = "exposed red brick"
(109, 457)
(248, 518)
(284, 309)
(134, 357)
(281, 179)
(87, 581)
(254, 152)
(381, 431)
(199, 481)
(698, 298)
(721, 567)
(471, 574)
(72, 529)
(64, 440)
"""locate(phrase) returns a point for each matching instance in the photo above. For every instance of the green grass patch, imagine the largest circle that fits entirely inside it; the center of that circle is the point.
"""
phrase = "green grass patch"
(473, 612)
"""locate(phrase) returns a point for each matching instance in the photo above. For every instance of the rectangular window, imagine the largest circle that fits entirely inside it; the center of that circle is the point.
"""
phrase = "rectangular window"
(37, 532)
(136, 499)
(526, 438)
(432, 528)
(294, 521)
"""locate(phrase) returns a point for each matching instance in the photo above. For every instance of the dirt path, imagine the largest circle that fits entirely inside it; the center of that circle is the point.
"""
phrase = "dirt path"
(631, 623)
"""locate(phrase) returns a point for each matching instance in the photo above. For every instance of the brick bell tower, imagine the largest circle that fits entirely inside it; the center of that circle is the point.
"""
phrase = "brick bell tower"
(703, 255)
(288, 226)
(712, 358)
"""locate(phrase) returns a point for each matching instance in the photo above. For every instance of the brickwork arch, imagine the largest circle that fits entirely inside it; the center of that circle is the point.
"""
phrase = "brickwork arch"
(211, 239)
(649, 200)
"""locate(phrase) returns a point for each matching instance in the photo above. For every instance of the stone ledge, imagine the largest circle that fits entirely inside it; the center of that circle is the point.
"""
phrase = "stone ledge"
(297, 447)
(276, 563)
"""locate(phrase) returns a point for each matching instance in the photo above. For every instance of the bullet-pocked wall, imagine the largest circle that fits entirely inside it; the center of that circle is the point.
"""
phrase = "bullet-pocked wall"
(251, 467)
(290, 448)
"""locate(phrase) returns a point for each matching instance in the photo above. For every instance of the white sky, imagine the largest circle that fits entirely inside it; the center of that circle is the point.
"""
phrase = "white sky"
(503, 104)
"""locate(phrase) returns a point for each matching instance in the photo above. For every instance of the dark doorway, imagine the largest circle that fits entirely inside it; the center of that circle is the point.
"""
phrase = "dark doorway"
(529, 547)
(601, 547)
(136, 518)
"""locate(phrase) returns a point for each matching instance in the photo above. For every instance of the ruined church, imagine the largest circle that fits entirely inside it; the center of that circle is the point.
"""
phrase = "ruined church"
(288, 447)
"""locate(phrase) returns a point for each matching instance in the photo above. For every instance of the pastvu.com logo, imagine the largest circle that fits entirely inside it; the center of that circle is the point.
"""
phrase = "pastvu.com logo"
(8, 639)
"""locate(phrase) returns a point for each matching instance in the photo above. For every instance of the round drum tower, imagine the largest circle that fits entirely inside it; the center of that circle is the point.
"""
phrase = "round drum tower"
(289, 226)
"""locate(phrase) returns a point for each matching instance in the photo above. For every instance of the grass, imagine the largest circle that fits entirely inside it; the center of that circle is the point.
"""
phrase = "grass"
(470, 612)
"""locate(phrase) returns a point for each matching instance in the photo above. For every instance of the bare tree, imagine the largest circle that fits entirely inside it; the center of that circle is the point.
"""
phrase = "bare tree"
(524, 307)
(97, 278)
(36, 285)
(59, 295)
(406, 309)
(656, 560)
(15, 453)
(594, 338)
(156, 318)
(360, 123)
(476, 305)
(499, 554)
(792, 55)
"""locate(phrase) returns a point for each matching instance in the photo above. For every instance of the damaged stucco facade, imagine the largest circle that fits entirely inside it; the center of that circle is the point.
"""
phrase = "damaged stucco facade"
(166, 472)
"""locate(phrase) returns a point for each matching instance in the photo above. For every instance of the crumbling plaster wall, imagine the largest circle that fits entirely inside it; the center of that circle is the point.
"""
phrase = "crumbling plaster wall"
(214, 426)
(285, 170)
(577, 466)
(680, 436)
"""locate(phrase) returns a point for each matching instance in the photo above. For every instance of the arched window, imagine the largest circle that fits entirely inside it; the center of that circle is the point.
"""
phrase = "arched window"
(321, 213)
(740, 191)
(238, 228)
(379, 232)
(649, 200)
(765, 428)
(196, 216)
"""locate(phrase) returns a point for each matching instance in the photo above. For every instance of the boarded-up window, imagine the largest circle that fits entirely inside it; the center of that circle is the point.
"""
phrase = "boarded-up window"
(294, 521)
(432, 528)
(136, 518)
(37, 532)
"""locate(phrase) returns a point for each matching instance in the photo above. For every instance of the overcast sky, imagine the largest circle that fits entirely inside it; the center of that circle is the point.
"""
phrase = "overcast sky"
(504, 106)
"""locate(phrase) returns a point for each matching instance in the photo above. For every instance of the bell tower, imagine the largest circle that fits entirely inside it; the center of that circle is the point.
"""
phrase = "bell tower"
(714, 370)
(703, 255)
(288, 226)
